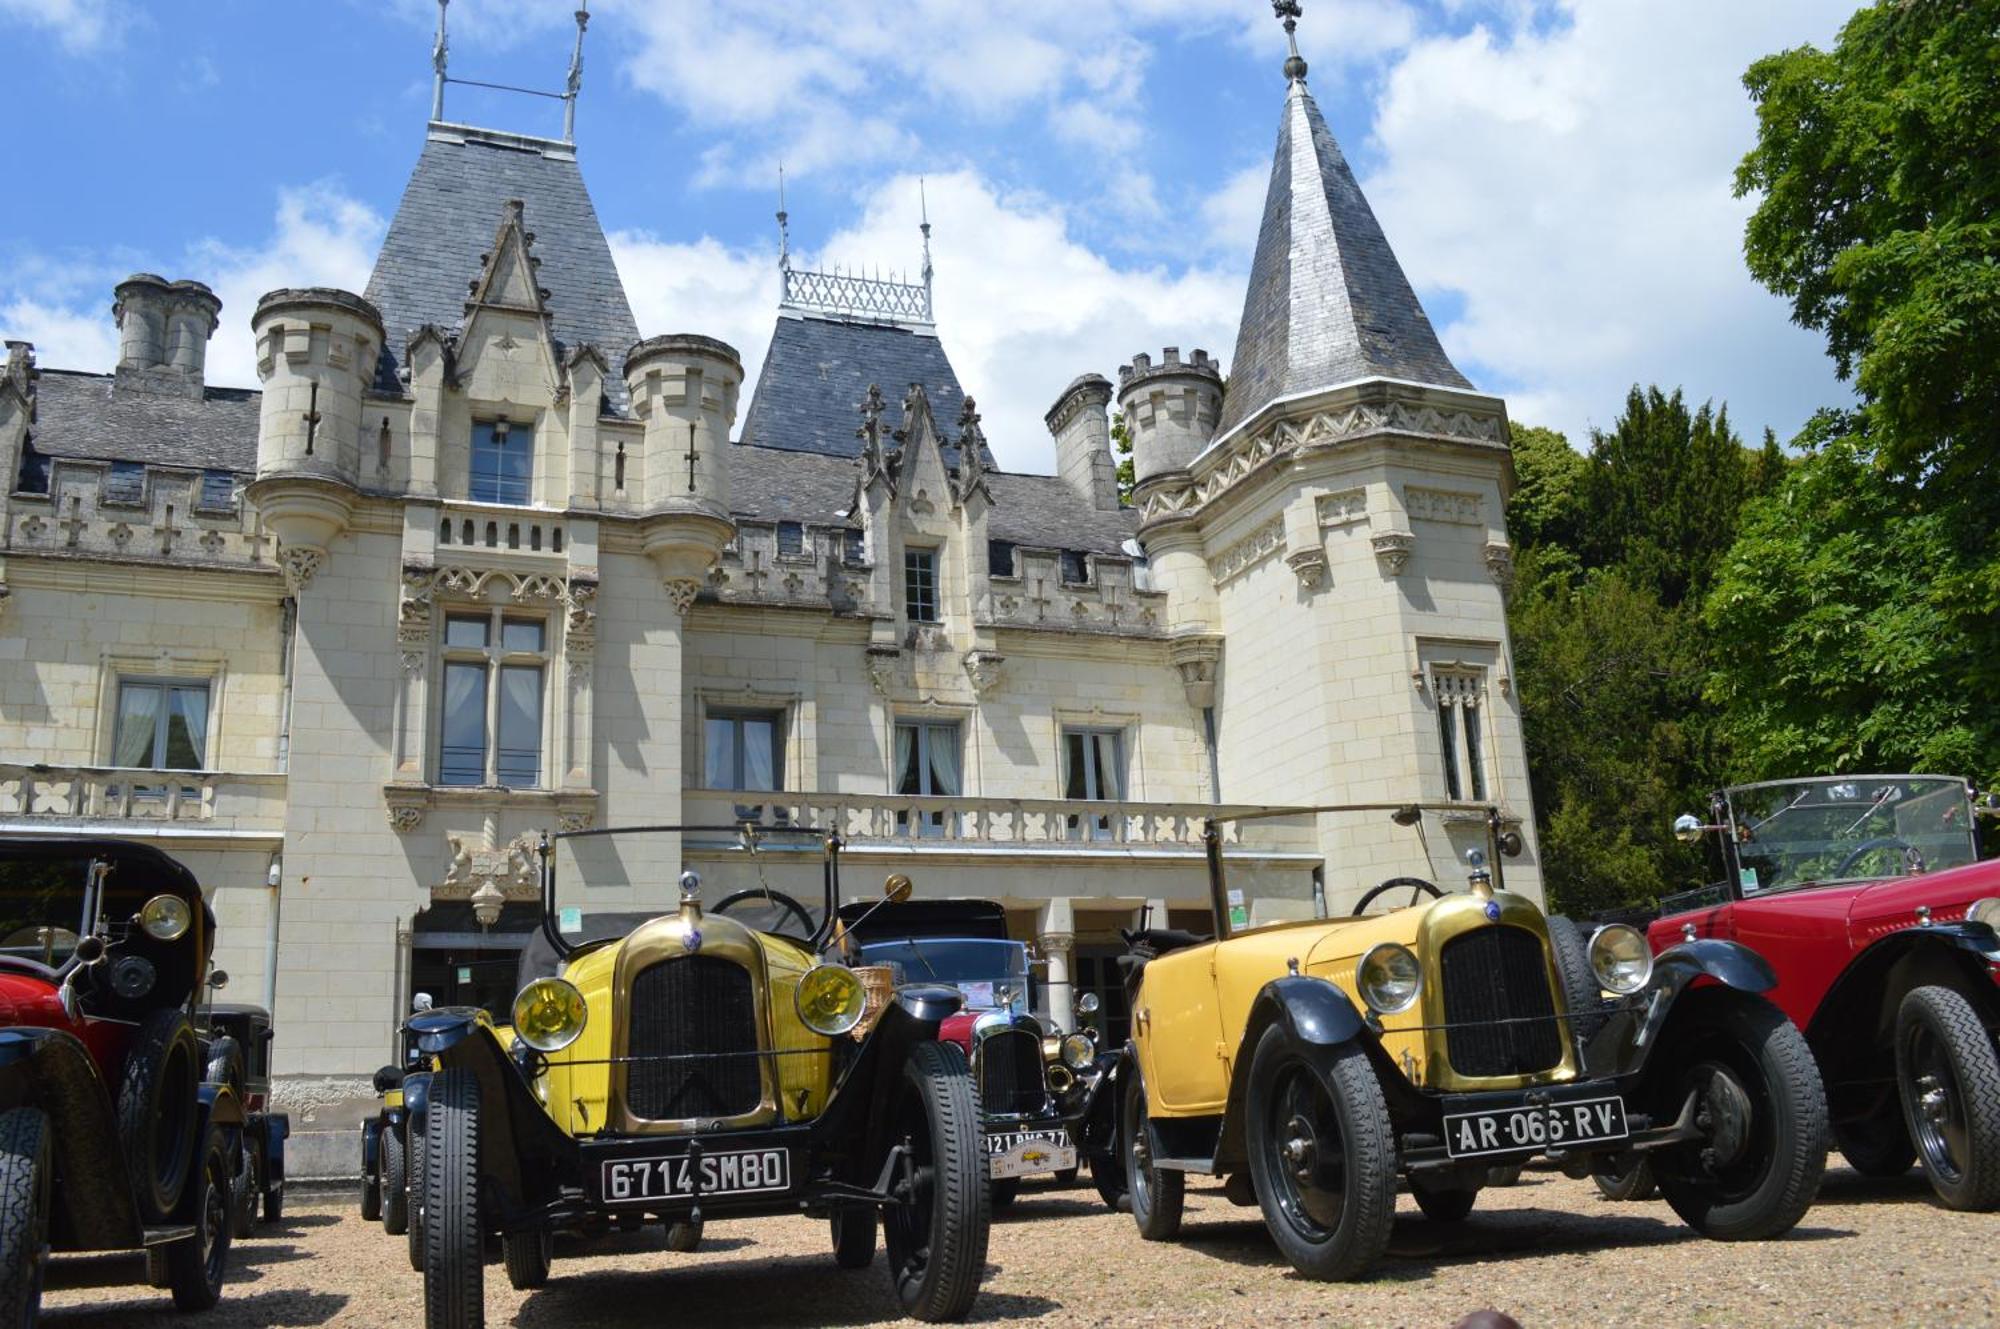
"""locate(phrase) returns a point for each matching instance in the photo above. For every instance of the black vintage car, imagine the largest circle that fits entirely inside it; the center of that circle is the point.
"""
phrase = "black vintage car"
(111, 1136)
(239, 1055)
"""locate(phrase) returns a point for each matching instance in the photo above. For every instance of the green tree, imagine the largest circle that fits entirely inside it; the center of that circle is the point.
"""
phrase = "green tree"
(1547, 507)
(1121, 448)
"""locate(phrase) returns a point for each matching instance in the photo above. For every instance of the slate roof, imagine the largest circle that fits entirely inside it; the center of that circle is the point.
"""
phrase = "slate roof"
(81, 415)
(818, 370)
(447, 218)
(1328, 302)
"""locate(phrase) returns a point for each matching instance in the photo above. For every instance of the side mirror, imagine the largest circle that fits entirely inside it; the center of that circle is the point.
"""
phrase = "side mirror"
(1688, 828)
(1087, 1004)
(898, 888)
(1511, 844)
(219, 979)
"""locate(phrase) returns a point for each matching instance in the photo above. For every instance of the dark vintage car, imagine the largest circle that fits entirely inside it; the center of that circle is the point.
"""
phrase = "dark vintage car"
(1866, 896)
(111, 1139)
(964, 943)
(701, 1065)
(239, 1055)
(1315, 1063)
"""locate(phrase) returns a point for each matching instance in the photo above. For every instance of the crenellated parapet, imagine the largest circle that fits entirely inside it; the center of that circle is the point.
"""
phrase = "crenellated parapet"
(1170, 410)
(143, 514)
(1044, 594)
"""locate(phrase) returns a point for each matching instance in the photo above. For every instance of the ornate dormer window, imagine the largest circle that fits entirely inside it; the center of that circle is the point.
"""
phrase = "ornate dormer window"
(503, 462)
(920, 585)
(1459, 693)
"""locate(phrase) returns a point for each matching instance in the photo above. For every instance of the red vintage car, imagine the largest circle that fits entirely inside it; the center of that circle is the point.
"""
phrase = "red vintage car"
(1867, 896)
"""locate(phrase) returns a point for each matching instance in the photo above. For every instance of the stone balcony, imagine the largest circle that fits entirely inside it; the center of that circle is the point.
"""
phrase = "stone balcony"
(119, 801)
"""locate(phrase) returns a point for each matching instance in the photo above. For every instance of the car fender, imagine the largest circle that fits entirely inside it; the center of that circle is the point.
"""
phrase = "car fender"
(218, 1106)
(1096, 1123)
(1856, 1017)
(434, 1031)
(1622, 1045)
(522, 1152)
(53, 1070)
(1312, 1012)
(371, 1149)
(859, 1107)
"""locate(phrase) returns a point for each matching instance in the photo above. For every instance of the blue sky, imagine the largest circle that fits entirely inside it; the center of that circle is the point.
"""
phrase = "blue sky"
(1555, 177)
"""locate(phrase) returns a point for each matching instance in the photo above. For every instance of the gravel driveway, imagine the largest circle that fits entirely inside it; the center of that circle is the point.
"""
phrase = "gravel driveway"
(1548, 1251)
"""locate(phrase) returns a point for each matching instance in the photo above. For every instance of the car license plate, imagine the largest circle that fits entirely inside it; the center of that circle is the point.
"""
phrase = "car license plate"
(1542, 1126)
(1020, 1153)
(723, 1172)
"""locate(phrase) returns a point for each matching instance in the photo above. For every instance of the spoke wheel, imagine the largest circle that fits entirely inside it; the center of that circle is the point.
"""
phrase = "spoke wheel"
(935, 1235)
(1948, 1074)
(196, 1267)
(1322, 1155)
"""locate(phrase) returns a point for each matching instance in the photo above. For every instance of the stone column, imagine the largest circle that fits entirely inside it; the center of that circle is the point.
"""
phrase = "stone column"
(580, 660)
(413, 641)
(1056, 940)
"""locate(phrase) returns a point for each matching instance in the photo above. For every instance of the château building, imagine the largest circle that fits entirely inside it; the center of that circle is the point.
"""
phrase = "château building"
(479, 557)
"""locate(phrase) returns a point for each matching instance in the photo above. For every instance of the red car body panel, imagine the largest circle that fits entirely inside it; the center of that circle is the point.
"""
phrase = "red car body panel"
(958, 1029)
(28, 1000)
(1812, 934)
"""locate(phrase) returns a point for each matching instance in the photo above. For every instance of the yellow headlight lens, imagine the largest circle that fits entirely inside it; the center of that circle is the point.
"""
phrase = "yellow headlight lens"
(1985, 911)
(1620, 958)
(166, 917)
(1389, 978)
(830, 1000)
(549, 1014)
(1077, 1050)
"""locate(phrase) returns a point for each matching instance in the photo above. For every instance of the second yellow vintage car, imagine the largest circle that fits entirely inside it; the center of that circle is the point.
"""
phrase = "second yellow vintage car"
(1315, 1063)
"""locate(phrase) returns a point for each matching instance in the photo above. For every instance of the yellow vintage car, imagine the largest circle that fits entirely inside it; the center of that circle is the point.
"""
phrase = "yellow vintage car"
(1314, 1063)
(696, 1062)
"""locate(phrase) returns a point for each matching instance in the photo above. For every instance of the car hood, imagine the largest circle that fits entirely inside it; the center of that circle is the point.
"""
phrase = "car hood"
(1865, 910)
(1890, 905)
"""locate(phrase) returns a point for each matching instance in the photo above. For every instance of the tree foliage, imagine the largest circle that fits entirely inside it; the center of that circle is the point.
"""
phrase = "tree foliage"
(1121, 449)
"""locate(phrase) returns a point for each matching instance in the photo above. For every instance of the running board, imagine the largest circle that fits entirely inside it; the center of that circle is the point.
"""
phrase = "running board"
(167, 1236)
(1203, 1166)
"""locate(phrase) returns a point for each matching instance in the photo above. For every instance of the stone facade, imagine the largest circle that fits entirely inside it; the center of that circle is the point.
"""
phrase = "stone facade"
(1305, 608)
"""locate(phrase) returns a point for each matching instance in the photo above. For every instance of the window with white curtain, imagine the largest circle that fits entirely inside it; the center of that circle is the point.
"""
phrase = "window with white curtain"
(1093, 769)
(491, 722)
(743, 750)
(1459, 693)
(927, 765)
(162, 725)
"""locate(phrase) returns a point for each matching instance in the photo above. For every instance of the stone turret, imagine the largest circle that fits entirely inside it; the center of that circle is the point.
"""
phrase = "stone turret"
(1081, 426)
(163, 332)
(1170, 409)
(316, 355)
(684, 388)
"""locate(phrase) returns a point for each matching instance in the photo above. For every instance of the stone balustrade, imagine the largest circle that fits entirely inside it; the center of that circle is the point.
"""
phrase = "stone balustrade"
(513, 530)
(74, 797)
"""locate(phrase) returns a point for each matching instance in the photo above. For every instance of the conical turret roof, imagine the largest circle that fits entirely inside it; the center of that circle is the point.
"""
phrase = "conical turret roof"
(1328, 302)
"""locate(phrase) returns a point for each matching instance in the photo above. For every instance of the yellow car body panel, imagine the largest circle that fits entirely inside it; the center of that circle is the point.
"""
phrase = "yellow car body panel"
(1194, 1004)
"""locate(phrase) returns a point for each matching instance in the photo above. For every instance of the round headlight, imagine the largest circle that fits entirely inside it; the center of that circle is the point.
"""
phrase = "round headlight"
(549, 1014)
(1985, 911)
(1620, 958)
(1077, 1050)
(166, 917)
(830, 1000)
(1389, 978)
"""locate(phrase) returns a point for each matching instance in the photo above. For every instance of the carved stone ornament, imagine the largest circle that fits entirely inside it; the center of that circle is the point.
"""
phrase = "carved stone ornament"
(882, 661)
(580, 621)
(406, 807)
(571, 822)
(1393, 549)
(413, 612)
(681, 591)
(983, 669)
(1310, 565)
(300, 565)
(1500, 564)
(511, 869)
(1195, 659)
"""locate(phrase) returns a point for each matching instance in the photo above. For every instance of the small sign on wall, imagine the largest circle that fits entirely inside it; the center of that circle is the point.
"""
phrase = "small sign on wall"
(465, 973)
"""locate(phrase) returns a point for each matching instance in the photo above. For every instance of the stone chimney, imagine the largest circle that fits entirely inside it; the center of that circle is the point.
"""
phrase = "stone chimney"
(163, 332)
(1081, 426)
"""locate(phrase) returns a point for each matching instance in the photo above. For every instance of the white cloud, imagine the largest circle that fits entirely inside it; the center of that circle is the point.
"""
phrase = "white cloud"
(319, 237)
(1570, 181)
(79, 25)
(702, 286)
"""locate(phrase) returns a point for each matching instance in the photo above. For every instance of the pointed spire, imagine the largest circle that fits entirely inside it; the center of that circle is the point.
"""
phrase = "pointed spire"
(575, 84)
(1328, 302)
(438, 53)
(924, 204)
(1289, 11)
(784, 225)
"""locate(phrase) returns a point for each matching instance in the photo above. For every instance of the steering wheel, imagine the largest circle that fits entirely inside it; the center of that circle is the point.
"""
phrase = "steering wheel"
(763, 896)
(1867, 847)
(1418, 888)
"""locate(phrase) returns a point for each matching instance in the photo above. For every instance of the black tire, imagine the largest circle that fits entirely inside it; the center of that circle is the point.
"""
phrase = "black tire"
(1066, 1177)
(1948, 1076)
(395, 1180)
(1330, 1216)
(684, 1235)
(27, 1171)
(1877, 1146)
(1504, 1174)
(197, 1266)
(936, 1239)
(853, 1227)
(528, 1256)
(371, 1182)
(1754, 1180)
(274, 1206)
(1005, 1192)
(1156, 1197)
(1627, 1183)
(1444, 1204)
(244, 1192)
(1107, 1175)
(157, 1112)
(454, 1241)
(1581, 995)
(414, 1239)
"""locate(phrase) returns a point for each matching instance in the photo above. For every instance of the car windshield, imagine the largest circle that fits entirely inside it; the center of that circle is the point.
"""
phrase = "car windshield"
(41, 908)
(1796, 833)
(758, 876)
(993, 974)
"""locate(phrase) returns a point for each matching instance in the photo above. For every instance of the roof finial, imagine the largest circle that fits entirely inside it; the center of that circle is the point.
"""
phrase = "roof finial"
(924, 206)
(438, 53)
(1289, 11)
(575, 73)
(784, 225)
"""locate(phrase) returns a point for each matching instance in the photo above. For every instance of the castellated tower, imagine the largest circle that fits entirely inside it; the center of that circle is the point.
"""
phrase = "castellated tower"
(163, 332)
(684, 388)
(316, 354)
(1170, 409)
